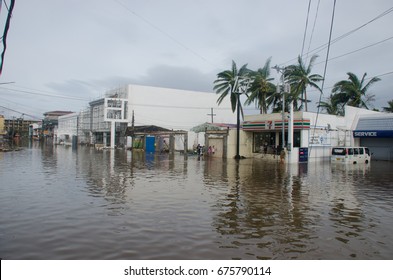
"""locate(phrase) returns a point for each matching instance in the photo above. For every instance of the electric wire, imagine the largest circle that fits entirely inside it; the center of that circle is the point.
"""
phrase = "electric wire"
(343, 36)
(357, 50)
(312, 31)
(12, 110)
(33, 110)
(324, 72)
(305, 29)
(160, 30)
(45, 94)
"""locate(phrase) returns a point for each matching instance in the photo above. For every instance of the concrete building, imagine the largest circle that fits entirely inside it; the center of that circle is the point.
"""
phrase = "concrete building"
(3, 132)
(313, 134)
(2, 127)
(35, 131)
(376, 133)
(67, 128)
(168, 108)
(50, 123)
(17, 127)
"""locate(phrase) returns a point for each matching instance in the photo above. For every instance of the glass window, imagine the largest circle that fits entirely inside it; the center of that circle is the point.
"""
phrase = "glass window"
(350, 151)
(296, 138)
(355, 151)
(338, 151)
(367, 151)
(361, 151)
(263, 142)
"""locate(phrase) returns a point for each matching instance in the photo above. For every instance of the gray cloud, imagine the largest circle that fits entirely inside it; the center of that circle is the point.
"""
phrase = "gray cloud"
(55, 47)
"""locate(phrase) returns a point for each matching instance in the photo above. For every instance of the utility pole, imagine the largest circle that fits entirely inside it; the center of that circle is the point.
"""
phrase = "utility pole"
(211, 114)
(284, 88)
(240, 86)
(132, 131)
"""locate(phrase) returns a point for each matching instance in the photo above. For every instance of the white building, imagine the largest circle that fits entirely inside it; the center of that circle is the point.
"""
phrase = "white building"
(313, 134)
(173, 108)
(169, 108)
(375, 132)
(67, 128)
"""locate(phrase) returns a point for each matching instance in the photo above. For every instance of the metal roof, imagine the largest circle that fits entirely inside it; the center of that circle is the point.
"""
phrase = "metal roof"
(384, 122)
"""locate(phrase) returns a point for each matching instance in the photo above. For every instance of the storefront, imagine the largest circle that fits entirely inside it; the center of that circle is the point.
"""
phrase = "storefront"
(376, 133)
(267, 133)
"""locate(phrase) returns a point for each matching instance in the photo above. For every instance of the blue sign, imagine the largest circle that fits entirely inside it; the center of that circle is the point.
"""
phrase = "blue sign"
(373, 133)
(303, 154)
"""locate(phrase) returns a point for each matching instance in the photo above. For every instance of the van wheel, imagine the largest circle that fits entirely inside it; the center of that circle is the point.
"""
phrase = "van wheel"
(354, 162)
(366, 161)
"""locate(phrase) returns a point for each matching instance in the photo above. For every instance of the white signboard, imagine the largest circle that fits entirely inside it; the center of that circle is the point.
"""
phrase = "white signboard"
(115, 110)
(319, 138)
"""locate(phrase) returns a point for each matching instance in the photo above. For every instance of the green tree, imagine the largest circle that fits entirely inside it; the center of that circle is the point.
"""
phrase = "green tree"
(331, 106)
(225, 84)
(390, 107)
(354, 91)
(299, 76)
(261, 87)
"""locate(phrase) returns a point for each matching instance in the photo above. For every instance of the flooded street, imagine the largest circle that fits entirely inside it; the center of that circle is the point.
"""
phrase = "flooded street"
(58, 203)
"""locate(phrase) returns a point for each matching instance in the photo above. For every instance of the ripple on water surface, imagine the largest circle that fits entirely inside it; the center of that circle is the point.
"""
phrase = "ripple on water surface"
(57, 203)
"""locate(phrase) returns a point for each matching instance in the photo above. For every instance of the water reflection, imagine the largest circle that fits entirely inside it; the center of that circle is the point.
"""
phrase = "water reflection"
(265, 206)
(117, 204)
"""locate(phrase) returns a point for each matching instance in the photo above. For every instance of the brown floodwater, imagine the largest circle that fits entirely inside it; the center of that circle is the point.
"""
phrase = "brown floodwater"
(60, 203)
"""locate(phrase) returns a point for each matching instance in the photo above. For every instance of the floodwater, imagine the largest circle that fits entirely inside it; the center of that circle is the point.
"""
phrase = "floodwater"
(59, 203)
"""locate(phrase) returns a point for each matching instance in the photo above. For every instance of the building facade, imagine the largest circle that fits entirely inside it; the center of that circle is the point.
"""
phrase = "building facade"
(67, 128)
(50, 123)
(313, 135)
(376, 133)
(143, 105)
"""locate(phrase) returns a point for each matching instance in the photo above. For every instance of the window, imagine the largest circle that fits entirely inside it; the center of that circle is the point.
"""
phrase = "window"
(367, 151)
(338, 151)
(264, 142)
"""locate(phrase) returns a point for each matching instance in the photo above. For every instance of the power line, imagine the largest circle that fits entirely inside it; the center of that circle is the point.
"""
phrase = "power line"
(12, 110)
(324, 46)
(33, 110)
(357, 50)
(325, 69)
(46, 94)
(343, 36)
(305, 29)
(313, 29)
(173, 39)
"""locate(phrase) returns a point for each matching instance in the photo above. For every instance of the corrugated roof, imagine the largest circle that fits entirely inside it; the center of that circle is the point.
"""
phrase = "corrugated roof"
(375, 123)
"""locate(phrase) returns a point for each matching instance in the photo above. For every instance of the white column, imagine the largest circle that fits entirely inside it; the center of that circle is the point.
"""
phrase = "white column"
(113, 131)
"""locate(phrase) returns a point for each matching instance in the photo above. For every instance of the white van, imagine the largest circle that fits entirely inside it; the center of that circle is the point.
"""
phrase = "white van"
(351, 155)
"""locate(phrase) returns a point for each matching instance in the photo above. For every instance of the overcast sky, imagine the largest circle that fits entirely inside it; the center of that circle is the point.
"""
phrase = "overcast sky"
(62, 54)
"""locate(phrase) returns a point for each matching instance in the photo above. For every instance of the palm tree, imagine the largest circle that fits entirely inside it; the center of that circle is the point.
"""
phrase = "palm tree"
(331, 106)
(225, 83)
(353, 91)
(235, 83)
(390, 107)
(299, 77)
(261, 88)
